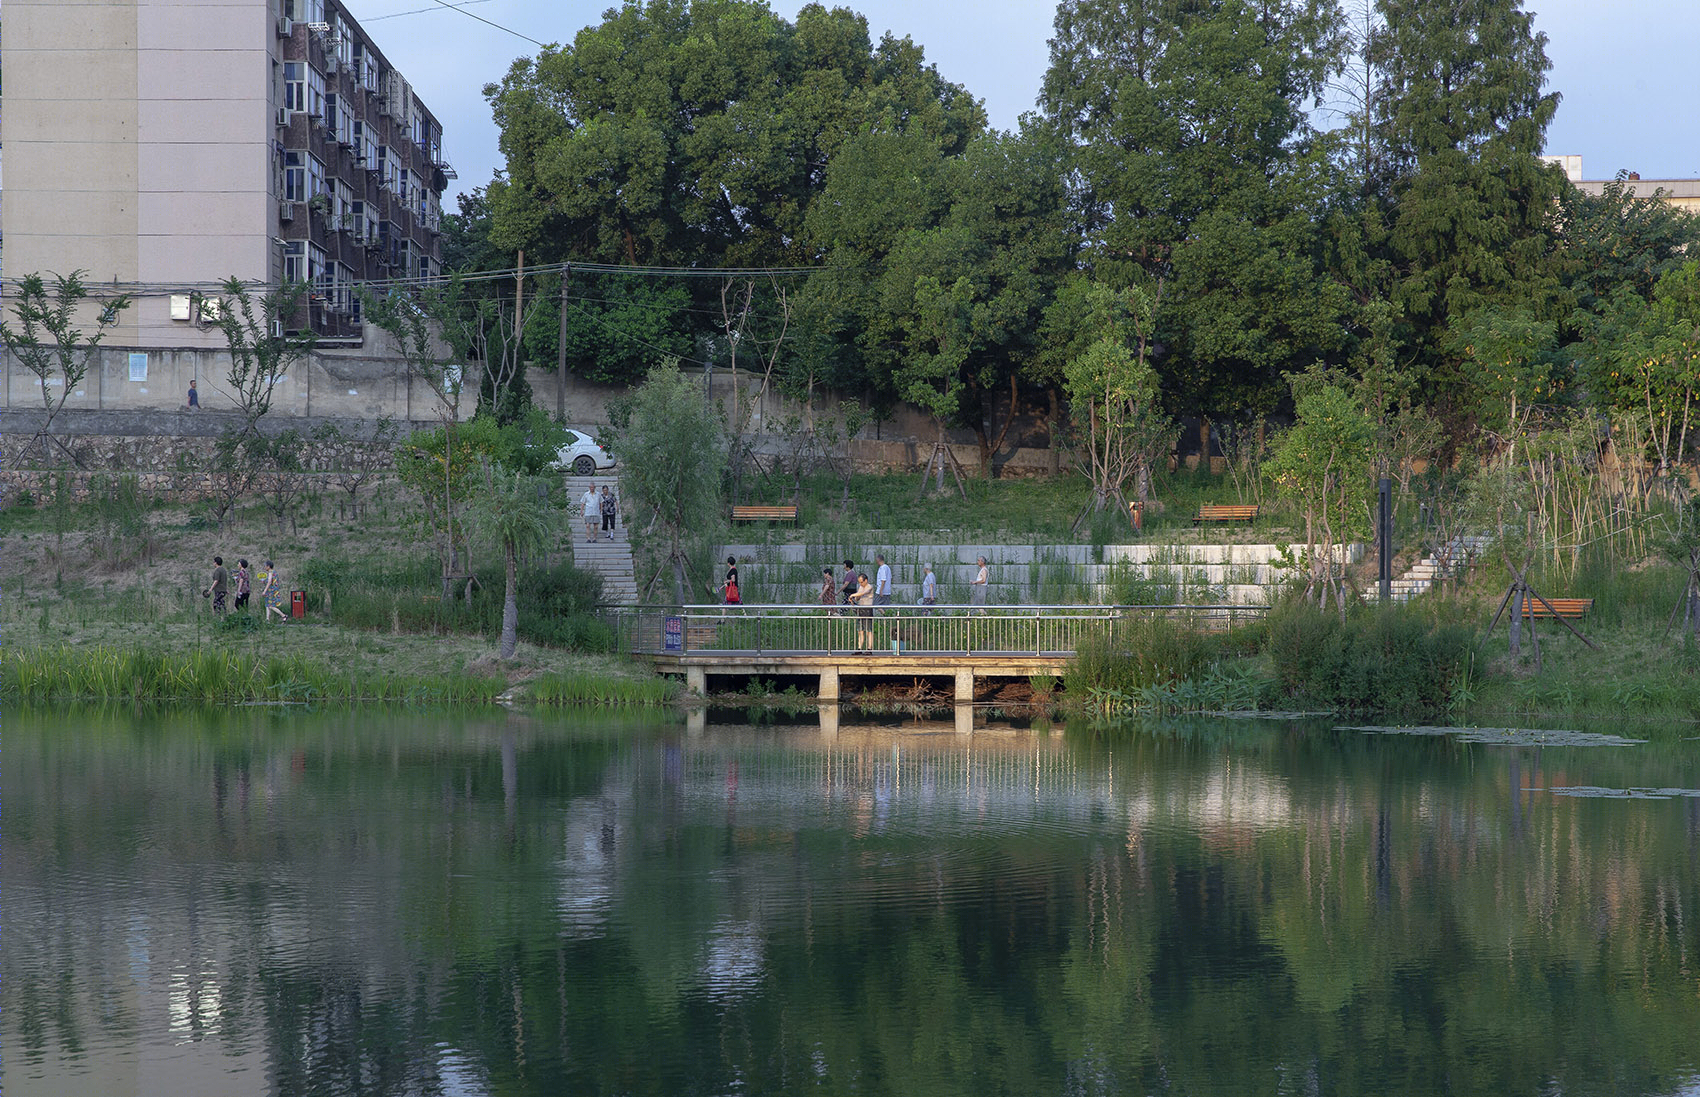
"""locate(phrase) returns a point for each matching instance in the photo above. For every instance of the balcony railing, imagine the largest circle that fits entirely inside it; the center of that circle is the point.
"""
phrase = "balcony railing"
(958, 630)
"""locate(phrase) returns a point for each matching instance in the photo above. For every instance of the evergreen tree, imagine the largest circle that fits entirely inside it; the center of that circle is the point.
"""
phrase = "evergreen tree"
(1196, 169)
(1466, 206)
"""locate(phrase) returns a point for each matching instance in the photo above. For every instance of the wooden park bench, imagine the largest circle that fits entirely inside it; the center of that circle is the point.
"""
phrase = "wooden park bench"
(1571, 609)
(1225, 512)
(764, 514)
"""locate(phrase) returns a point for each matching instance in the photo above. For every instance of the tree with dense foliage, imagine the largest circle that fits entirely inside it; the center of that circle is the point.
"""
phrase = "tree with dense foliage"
(1467, 207)
(941, 267)
(700, 131)
(1193, 163)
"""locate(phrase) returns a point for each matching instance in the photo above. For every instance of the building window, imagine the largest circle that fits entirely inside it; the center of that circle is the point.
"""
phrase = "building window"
(382, 164)
(424, 267)
(294, 254)
(316, 184)
(332, 115)
(294, 85)
(315, 92)
(294, 177)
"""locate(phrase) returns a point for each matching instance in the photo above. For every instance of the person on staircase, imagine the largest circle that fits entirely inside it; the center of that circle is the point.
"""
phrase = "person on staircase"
(610, 511)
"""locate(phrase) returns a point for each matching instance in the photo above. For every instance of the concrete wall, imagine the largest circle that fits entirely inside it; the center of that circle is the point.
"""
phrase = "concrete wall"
(328, 384)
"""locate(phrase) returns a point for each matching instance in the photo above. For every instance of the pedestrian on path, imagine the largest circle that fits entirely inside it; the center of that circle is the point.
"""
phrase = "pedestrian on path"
(194, 397)
(828, 587)
(863, 600)
(981, 580)
(882, 581)
(849, 581)
(610, 511)
(244, 585)
(592, 512)
(929, 588)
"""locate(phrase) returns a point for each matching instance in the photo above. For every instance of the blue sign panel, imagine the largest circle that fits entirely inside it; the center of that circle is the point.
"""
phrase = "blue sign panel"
(672, 634)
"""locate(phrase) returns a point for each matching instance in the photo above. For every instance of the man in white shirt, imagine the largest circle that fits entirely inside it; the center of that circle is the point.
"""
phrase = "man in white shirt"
(882, 582)
(592, 512)
(929, 587)
(981, 577)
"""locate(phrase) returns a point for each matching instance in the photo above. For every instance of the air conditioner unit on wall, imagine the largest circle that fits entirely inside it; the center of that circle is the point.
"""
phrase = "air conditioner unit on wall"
(285, 26)
(283, 116)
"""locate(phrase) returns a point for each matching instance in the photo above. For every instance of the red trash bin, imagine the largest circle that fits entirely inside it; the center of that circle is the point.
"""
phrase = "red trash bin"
(298, 604)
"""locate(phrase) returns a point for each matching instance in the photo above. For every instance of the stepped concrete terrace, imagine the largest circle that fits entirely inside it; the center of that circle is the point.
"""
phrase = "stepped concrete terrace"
(1240, 574)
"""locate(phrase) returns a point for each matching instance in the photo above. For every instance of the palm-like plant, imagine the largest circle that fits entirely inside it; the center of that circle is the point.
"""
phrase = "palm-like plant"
(513, 509)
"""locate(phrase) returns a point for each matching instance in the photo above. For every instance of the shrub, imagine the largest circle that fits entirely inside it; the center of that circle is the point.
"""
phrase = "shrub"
(1382, 659)
(1143, 652)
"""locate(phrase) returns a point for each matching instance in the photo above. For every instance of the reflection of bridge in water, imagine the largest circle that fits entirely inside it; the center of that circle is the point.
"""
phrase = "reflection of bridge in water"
(959, 643)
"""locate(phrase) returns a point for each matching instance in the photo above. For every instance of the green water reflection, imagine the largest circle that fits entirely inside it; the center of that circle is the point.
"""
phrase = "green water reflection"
(418, 903)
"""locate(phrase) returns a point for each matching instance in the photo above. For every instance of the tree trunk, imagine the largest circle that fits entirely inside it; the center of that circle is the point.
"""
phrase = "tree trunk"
(510, 602)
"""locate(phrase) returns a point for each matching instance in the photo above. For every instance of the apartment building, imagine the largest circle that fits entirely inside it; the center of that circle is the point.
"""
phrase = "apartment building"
(163, 146)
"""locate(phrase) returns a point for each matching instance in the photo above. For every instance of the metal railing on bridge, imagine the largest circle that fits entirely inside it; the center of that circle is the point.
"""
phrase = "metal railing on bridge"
(988, 630)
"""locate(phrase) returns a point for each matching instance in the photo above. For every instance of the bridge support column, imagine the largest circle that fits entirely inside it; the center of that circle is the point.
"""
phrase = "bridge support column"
(964, 686)
(696, 681)
(964, 719)
(828, 684)
(829, 721)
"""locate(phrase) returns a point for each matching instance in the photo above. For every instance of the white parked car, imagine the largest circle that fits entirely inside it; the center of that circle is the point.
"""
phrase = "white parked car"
(582, 455)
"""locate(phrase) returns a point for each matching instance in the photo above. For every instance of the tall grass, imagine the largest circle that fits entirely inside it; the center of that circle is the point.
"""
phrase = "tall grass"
(215, 676)
(579, 688)
(556, 607)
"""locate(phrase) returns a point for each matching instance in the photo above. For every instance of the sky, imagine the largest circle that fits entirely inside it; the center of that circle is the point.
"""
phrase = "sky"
(1622, 68)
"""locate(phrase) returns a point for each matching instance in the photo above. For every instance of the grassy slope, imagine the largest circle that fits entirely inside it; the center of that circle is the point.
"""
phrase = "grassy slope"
(81, 587)
(90, 585)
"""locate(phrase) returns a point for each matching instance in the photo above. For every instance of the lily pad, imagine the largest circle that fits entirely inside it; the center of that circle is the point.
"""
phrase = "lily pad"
(1594, 791)
(1509, 737)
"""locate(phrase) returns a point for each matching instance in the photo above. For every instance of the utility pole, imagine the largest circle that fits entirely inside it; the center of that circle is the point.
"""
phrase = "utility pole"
(561, 350)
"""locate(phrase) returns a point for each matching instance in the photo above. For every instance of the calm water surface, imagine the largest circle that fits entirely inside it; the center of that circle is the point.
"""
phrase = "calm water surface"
(267, 902)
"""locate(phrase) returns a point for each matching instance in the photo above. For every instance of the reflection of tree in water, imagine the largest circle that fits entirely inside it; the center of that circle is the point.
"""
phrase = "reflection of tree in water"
(1199, 907)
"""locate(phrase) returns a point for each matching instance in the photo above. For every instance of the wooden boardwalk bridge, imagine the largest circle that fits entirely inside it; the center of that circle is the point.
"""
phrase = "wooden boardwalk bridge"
(957, 643)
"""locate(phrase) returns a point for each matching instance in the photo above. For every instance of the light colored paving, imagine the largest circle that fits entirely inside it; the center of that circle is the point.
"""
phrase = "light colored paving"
(610, 559)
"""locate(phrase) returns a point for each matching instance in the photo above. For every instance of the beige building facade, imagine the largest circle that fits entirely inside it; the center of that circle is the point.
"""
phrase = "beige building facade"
(162, 146)
(1684, 194)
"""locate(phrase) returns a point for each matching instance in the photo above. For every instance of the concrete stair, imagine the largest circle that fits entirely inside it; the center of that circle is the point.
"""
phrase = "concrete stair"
(610, 559)
(1448, 561)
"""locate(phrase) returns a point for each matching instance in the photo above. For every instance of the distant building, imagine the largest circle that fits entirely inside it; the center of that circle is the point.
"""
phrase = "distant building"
(1684, 194)
(163, 147)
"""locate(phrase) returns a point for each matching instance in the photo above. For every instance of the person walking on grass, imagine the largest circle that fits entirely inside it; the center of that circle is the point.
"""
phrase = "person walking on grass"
(244, 584)
(882, 581)
(610, 511)
(220, 585)
(592, 512)
(977, 596)
(271, 592)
